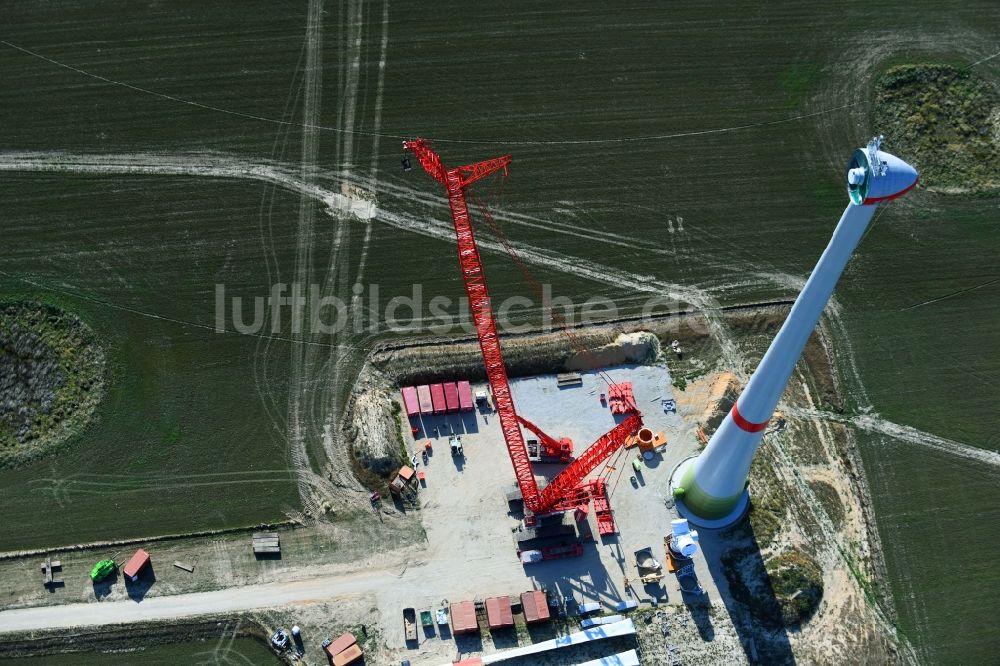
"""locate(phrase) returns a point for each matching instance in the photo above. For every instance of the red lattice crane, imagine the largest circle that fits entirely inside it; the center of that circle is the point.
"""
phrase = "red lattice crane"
(567, 483)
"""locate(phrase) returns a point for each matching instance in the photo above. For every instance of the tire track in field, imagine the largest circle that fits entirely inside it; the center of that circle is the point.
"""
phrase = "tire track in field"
(709, 306)
(274, 407)
(153, 315)
(301, 373)
(373, 180)
(368, 133)
(227, 167)
(205, 165)
(547, 224)
(64, 491)
(332, 276)
(876, 424)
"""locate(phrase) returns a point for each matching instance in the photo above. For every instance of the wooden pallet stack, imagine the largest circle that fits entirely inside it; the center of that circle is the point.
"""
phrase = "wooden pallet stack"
(266, 543)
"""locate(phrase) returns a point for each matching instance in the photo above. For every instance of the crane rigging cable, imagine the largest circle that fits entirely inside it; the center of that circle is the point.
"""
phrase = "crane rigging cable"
(529, 277)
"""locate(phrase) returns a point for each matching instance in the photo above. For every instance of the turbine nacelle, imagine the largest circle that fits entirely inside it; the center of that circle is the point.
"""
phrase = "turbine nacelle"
(874, 175)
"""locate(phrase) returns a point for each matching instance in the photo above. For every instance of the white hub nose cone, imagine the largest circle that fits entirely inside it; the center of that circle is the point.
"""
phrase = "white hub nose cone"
(856, 176)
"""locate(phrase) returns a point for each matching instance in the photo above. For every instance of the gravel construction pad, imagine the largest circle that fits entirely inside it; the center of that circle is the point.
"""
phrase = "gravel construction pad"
(471, 553)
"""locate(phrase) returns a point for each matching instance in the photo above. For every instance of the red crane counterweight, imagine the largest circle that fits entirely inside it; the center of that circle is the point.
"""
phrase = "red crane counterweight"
(561, 448)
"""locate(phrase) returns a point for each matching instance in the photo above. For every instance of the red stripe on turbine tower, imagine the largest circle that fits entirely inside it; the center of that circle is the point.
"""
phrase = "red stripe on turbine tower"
(749, 426)
(890, 197)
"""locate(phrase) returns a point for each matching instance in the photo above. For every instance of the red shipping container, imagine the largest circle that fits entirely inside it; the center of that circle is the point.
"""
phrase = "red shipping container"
(410, 401)
(424, 397)
(463, 618)
(341, 644)
(498, 612)
(536, 608)
(451, 396)
(135, 565)
(348, 656)
(437, 396)
(465, 396)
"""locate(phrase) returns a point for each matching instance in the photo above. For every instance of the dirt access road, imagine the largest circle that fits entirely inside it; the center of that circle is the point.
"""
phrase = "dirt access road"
(218, 602)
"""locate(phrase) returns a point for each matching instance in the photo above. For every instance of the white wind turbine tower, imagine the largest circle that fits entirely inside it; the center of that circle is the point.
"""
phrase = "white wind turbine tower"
(711, 488)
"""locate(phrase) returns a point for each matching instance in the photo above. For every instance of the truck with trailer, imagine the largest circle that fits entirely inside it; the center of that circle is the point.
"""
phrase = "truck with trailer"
(546, 553)
(410, 624)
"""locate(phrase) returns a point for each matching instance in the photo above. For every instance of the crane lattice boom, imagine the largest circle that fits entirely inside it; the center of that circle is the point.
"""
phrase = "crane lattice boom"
(567, 480)
(479, 304)
(455, 180)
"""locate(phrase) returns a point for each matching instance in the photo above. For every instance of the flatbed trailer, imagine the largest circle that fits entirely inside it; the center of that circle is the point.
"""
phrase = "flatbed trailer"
(550, 553)
(558, 532)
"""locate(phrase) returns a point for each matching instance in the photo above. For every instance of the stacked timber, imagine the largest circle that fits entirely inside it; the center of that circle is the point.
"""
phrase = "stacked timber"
(266, 543)
(566, 379)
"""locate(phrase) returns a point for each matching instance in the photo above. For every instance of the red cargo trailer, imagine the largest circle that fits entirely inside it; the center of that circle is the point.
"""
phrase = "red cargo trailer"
(410, 401)
(465, 396)
(424, 398)
(451, 396)
(437, 396)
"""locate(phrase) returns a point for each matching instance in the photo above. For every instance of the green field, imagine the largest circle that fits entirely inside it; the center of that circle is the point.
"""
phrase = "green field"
(739, 192)
(177, 428)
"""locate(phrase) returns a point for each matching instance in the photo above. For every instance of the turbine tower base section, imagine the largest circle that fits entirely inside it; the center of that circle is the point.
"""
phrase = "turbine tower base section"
(700, 508)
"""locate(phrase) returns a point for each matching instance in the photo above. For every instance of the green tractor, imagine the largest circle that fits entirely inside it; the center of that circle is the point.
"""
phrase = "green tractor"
(102, 570)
